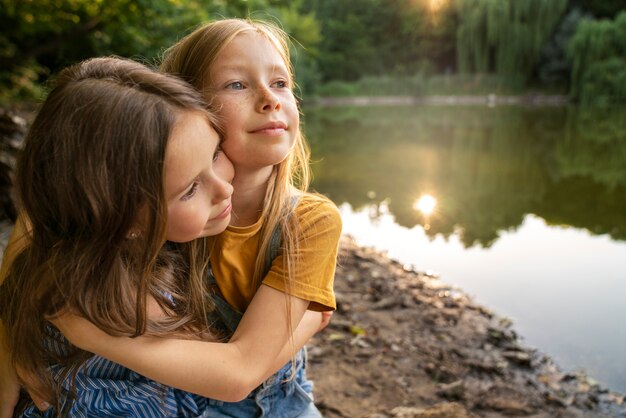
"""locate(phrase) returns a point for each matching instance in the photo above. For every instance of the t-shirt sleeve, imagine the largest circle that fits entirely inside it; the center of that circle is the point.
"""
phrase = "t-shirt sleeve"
(315, 258)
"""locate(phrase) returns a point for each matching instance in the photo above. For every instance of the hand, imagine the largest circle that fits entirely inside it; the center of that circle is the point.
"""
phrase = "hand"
(10, 387)
(325, 320)
(33, 390)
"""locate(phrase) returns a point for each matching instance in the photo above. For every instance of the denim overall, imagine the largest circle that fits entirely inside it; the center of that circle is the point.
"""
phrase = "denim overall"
(280, 396)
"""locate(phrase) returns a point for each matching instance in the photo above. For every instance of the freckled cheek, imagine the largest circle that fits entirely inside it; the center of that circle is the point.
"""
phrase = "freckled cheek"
(231, 112)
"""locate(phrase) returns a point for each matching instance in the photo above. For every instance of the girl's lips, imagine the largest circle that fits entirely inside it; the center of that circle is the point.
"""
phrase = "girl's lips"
(271, 128)
(223, 214)
(271, 132)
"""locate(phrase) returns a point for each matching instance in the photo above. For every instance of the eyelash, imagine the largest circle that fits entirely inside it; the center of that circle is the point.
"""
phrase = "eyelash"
(191, 192)
(194, 187)
(283, 83)
(217, 154)
(279, 84)
(232, 85)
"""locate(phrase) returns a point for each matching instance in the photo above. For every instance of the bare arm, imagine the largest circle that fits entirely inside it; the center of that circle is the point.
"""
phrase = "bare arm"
(9, 385)
(17, 242)
(225, 371)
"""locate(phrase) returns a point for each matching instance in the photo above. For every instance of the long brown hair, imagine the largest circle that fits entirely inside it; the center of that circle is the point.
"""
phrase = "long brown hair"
(91, 168)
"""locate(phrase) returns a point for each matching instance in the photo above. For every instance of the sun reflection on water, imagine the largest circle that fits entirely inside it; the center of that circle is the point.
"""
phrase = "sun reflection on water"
(425, 204)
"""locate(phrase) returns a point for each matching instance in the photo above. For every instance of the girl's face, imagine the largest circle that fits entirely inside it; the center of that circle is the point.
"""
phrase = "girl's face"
(254, 98)
(197, 180)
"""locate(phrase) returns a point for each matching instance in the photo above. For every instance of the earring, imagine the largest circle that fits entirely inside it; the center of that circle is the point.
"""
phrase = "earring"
(132, 235)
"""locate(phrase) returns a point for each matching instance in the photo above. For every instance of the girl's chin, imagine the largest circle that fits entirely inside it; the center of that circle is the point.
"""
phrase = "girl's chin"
(216, 227)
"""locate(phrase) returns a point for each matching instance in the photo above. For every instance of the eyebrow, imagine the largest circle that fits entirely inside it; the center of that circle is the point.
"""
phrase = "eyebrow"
(244, 67)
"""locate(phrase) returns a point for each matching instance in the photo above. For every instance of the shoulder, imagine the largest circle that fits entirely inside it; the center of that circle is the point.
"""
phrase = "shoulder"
(313, 208)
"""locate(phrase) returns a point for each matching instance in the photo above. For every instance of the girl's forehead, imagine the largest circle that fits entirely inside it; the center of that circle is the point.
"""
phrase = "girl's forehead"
(253, 39)
(248, 47)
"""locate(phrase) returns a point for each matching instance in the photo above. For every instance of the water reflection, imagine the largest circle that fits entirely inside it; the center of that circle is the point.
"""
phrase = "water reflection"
(505, 180)
(425, 205)
(488, 167)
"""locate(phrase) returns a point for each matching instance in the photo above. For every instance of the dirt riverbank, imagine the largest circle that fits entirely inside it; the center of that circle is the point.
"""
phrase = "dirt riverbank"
(403, 344)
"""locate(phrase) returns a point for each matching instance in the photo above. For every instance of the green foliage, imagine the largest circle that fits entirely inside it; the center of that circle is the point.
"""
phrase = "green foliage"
(381, 47)
(599, 9)
(604, 83)
(597, 51)
(375, 37)
(304, 30)
(504, 36)
(41, 36)
(554, 67)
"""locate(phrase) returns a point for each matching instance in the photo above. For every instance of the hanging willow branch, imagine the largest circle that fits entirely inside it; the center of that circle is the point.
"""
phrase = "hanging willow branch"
(504, 36)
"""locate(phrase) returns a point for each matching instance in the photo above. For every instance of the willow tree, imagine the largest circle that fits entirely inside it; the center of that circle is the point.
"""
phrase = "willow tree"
(597, 51)
(504, 36)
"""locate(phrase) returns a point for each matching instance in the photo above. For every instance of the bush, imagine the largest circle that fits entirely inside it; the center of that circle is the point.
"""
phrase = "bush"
(597, 50)
(604, 83)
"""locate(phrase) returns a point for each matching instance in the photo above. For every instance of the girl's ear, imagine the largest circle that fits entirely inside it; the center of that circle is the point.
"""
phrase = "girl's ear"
(139, 224)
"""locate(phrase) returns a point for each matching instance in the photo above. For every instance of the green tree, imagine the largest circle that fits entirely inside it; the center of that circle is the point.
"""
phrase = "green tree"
(504, 36)
(555, 67)
(599, 9)
(41, 36)
(374, 37)
(597, 51)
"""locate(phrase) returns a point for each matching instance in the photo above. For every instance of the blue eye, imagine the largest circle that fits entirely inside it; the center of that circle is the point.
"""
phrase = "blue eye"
(281, 84)
(191, 192)
(236, 85)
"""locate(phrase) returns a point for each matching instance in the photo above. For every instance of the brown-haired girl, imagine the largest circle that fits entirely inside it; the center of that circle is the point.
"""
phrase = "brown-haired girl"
(119, 160)
(243, 67)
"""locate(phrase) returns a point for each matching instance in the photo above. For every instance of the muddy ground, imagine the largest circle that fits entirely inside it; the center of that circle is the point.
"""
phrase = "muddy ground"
(403, 344)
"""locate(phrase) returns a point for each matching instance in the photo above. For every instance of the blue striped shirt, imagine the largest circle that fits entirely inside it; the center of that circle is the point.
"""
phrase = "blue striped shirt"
(107, 389)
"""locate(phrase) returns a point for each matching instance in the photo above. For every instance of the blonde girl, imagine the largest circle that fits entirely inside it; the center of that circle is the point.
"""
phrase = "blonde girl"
(120, 180)
(243, 67)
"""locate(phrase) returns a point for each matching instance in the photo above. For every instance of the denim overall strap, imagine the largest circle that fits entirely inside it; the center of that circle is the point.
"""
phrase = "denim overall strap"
(228, 317)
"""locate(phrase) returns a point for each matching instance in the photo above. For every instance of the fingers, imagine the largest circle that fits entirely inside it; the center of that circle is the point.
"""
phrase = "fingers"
(39, 402)
(34, 388)
(325, 319)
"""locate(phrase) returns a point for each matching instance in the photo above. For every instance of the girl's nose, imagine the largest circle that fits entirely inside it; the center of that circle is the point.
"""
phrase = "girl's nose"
(268, 101)
(223, 189)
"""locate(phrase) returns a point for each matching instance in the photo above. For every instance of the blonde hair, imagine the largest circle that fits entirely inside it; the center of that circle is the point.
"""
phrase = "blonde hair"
(191, 59)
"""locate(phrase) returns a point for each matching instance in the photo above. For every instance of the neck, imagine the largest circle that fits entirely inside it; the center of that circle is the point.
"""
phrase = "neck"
(249, 194)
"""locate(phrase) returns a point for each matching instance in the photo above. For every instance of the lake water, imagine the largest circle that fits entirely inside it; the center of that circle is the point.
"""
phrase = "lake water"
(530, 215)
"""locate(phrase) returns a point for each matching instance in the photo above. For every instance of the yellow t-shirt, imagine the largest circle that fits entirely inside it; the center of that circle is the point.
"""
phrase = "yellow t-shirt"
(234, 252)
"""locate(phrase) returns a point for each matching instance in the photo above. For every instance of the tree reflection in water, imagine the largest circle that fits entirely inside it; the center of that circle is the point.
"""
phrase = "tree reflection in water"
(488, 167)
